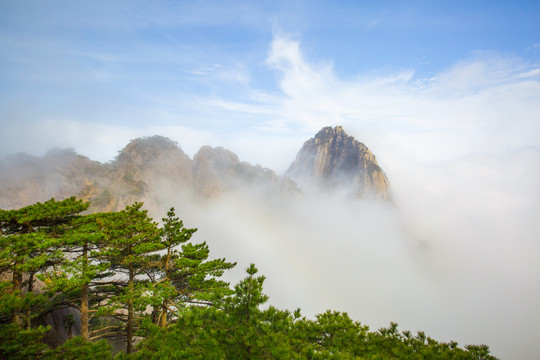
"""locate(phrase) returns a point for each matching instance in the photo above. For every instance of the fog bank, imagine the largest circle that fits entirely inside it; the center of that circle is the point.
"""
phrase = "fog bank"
(456, 254)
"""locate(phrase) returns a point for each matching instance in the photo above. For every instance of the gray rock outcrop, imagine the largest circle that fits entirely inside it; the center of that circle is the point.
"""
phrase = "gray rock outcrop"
(332, 159)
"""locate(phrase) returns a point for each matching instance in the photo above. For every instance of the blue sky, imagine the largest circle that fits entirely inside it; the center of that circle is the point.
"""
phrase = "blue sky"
(92, 75)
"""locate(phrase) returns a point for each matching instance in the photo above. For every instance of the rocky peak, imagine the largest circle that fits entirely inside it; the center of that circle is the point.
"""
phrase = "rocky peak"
(333, 159)
(153, 157)
(148, 165)
(218, 169)
(143, 150)
(219, 159)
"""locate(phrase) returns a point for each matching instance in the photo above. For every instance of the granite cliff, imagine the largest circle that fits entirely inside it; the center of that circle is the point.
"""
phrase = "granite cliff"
(332, 159)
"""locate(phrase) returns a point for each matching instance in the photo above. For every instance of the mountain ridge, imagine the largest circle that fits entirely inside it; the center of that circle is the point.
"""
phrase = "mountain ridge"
(149, 164)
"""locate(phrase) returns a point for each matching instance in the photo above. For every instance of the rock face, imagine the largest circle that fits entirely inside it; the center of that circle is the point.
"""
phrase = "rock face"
(333, 159)
(152, 158)
(64, 323)
(217, 170)
(25, 179)
(151, 170)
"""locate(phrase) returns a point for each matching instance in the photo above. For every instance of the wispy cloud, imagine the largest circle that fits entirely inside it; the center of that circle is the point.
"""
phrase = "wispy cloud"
(486, 103)
(530, 74)
(204, 70)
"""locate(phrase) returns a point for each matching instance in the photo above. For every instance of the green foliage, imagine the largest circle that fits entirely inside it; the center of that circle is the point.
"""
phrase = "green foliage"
(234, 329)
(77, 277)
(30, 238)
(31, 242)
(17, 342)
(248, 297)
(183, 274)
(79, 349)
(132, 239)
(238, 329)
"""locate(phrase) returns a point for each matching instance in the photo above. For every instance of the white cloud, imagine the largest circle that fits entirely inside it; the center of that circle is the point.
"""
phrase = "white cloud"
(530, 73)
(487, 103)
(204, 70)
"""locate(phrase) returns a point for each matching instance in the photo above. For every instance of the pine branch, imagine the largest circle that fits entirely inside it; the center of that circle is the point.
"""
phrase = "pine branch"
(107, 328)
(108, 335)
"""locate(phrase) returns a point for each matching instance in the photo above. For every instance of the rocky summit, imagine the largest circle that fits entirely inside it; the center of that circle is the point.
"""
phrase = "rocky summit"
(333, 159)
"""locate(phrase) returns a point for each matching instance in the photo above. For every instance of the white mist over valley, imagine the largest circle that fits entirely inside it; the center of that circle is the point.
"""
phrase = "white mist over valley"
(455, 254)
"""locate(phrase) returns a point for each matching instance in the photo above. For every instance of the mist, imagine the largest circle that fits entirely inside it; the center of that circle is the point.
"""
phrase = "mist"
(455, 254)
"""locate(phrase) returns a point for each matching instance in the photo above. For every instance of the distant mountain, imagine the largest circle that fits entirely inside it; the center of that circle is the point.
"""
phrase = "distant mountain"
(217, 170)
(332, 159)
(25, 179)
(153, 169)
(150, 169)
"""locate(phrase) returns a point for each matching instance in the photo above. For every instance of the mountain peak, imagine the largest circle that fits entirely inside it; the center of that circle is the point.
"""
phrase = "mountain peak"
(331, 130)
(333, 159)
(147, 148)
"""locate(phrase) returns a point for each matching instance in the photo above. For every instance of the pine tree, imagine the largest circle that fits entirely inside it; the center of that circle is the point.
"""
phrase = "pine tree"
(235, 328)
(133, 238)
(183, 274)
(31, 242)
(81, 280)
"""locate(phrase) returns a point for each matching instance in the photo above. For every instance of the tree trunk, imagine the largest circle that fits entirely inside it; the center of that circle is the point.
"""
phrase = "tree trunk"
(84, 312)
(163, 317)
(163, 314)
(84, 299)
(129, 329)
(155, 315)
(16, 286)
(30, 289)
